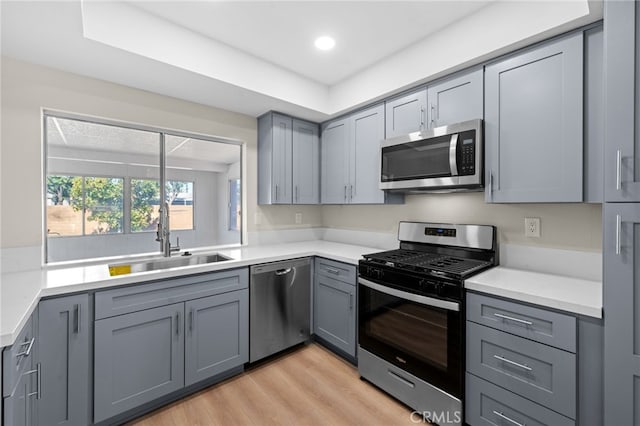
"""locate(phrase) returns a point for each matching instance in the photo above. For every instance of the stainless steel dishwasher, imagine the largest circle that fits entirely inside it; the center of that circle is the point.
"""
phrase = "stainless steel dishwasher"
(279, 306)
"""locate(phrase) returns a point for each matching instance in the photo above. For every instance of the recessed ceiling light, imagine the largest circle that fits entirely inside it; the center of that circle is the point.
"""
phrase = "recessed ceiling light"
(325, 43)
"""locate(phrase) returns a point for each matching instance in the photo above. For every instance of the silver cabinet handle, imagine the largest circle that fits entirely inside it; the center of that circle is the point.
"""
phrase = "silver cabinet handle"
(433, 115)
(517, 364)
(502, 416)
(618, 170)
(507, 317)
(350, 301)
(276, 200)
(351, 191)
(297, 194)
(29, 345)
(178, 323)
(422, 117)
(618, 230)
(191, 320)
(38, 372)
(345, 193)
(76, 318)
(333, 271)
(490, 185)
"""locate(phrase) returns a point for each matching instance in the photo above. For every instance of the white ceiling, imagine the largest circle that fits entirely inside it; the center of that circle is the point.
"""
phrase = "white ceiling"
(282, 33)
(252, 57)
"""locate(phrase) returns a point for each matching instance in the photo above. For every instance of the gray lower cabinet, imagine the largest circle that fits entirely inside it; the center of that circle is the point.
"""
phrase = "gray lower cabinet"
(63, 361)
(534, 123)
(622, 74)
(621, 308)
(334, 308)
(154, 339)
(138, 357)
(18, 407)
(217, 335)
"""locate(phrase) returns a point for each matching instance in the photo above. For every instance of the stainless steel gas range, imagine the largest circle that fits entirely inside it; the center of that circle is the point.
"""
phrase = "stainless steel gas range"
(411, 314)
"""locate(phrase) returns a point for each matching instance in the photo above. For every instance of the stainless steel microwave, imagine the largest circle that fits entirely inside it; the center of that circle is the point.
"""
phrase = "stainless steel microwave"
(443, 159)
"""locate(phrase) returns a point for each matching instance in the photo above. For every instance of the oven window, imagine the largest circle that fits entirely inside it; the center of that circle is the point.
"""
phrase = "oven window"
(417, 331)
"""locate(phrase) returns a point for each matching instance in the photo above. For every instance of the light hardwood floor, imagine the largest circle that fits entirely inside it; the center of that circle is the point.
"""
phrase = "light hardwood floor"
(309, 386)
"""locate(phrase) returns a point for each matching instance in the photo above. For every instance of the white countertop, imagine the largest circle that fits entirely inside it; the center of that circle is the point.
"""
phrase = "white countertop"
(21, 291)
(573, 295)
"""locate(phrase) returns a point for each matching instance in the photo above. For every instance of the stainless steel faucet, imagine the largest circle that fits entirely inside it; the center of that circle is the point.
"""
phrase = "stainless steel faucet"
(163, 234)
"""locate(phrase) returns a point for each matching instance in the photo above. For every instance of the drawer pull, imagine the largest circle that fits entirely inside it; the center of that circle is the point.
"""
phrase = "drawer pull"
(38, 372)
(27, 351)
(517, 364)
(333, 271)
(401, 379)
(502, 416)
(518, 320)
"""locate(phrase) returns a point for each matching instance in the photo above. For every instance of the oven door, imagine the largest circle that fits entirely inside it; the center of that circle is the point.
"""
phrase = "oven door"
(419, 334)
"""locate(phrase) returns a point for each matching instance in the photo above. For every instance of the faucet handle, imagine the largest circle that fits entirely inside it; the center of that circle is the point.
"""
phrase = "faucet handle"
(158, 233)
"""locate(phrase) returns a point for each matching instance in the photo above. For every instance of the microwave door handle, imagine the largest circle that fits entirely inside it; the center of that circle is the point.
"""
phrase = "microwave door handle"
(453, 151)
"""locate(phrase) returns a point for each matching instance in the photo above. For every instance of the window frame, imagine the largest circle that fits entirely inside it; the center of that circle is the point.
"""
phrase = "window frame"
(126, 227)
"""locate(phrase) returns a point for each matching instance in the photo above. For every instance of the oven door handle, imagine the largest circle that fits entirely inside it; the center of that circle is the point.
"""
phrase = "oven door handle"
(424, 300)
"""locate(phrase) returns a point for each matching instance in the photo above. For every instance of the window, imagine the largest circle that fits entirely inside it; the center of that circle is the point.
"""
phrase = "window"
(84, 205)
(103, 186)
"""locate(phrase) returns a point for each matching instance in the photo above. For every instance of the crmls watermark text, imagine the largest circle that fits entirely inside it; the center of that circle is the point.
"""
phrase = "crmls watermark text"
(439, 417)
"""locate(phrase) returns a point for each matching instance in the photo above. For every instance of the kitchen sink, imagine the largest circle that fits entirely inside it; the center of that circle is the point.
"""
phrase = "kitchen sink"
(165, 263)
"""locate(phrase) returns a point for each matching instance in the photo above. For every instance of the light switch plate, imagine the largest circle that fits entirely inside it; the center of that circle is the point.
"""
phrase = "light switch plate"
(298, 218)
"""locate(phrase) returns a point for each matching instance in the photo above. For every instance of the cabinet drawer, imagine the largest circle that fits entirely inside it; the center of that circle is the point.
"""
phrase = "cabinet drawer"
(337, 270)
(145, 296)
(550, 328)
(490, 405)
(17, 358)
(541, 373)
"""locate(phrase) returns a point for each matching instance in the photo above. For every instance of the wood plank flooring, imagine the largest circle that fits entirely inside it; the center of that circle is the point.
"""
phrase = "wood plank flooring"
(309, 386)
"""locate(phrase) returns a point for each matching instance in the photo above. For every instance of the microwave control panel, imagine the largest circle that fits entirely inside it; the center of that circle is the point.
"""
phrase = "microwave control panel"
(466, 155)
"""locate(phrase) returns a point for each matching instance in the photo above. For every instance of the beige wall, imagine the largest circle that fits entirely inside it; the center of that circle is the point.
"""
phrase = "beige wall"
(26, 89)
(567, 226)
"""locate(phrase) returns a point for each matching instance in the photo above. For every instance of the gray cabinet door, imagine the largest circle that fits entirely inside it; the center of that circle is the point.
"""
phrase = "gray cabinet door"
(533, 124)
(594, 116)
(306, 163)
(335, 162)
(138, 357)
(406, 114)
(622, 52)
(367, 131)
(217, 335)
(282, 159)
(18, 409)
(621, 310)
(63, 354)
(456, 99)
(334, 313)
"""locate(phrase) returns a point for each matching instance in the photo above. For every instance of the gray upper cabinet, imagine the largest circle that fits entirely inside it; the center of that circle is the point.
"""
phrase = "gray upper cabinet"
(351, 157)
(456, 99)
(63, 361)
(138, 357)
(622, 52)
(621, 307)
(335, 162)
(533, 124)
(306, 163)
(406, 114)
(288, 160)
(217, 335)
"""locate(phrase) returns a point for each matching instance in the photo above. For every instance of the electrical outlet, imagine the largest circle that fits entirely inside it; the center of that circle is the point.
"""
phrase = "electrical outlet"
(257, 218)
(298, 218)
(532, 227)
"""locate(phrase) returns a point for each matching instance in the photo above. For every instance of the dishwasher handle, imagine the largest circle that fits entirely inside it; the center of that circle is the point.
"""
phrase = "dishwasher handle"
(281, 272)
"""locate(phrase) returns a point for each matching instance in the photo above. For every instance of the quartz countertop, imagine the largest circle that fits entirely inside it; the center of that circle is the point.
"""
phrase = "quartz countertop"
(574, 295)
(21, 291)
